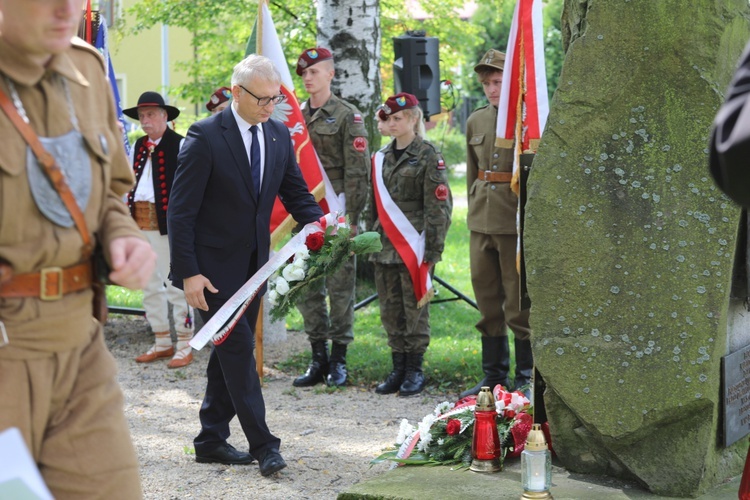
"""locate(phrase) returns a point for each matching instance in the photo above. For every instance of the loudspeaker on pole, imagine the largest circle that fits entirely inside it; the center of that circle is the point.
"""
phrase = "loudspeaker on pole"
(416, 69)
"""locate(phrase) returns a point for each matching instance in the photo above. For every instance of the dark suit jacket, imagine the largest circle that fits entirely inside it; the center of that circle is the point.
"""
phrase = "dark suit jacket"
(216, 222)
(730, 139)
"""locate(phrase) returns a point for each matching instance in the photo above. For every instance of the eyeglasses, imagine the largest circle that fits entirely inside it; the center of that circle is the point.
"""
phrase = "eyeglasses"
(265, 101)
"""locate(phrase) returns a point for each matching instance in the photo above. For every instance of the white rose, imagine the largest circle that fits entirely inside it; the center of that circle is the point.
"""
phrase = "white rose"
(282, 287)
(273, 297)
(302, 254)
(292, 273)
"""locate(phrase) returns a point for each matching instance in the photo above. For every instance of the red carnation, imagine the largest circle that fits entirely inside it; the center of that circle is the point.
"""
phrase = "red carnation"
(453, 427)
(314, 241)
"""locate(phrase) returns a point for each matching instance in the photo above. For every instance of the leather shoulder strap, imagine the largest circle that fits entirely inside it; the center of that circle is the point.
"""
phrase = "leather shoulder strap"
(53, 171)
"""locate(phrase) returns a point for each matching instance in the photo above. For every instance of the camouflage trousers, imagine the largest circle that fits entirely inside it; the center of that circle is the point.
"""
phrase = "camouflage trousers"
(336, 325)
(407, 326)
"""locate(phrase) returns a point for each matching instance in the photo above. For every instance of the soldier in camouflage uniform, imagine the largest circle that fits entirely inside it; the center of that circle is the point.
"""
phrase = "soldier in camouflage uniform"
(493, 239)
(413, 174)
(338, 133)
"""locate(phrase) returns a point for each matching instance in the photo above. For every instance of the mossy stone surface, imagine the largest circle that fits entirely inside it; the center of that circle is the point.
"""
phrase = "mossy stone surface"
(629, 244)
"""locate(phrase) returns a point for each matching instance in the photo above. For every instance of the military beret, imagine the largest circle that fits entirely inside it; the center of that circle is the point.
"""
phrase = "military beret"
(311, 57)
(396, 103)
(493, 60)
(220, 95)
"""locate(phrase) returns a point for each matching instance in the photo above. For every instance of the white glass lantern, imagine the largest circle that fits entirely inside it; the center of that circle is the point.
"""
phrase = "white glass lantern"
(536, 466)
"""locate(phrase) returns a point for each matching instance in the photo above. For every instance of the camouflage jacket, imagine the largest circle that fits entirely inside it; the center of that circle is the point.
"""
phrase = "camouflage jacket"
(338, 133)
(418, 183)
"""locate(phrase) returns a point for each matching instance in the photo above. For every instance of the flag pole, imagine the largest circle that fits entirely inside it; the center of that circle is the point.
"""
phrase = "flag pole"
(259, 321)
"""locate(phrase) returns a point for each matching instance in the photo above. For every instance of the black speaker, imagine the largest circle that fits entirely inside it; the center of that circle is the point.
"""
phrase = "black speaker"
(416, 69)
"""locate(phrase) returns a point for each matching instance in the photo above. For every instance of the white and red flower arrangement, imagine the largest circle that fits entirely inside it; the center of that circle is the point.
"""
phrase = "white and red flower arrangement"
(444, 436)
(325, 251)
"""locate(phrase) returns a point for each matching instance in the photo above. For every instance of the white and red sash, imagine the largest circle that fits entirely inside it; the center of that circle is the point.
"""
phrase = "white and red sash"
(409, 243)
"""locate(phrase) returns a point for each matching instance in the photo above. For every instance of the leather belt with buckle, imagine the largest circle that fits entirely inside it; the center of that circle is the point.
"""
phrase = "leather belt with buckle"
(51, 283)
(145, 216)
(490, 176)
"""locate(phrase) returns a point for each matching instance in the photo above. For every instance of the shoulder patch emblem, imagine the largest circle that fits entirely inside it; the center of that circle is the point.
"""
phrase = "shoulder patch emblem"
(441, 164)
(358, 118)
(360, 144)
(441, 192)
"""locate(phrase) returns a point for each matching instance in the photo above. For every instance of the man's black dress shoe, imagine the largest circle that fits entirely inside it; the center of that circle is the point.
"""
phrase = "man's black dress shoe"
(225, 454)
(271, 462)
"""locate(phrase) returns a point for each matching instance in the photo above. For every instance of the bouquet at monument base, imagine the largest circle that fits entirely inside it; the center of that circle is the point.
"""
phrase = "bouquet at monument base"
(444, 436)
(324, 252)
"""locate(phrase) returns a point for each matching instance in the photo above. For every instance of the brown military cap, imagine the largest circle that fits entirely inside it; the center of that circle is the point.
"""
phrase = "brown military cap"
(492, 60)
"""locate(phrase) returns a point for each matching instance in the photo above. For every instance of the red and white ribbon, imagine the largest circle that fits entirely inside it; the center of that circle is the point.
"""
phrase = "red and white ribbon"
(409, 243)
(218, 328)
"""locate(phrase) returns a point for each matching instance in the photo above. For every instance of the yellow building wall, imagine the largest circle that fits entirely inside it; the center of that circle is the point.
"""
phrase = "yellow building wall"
(137, 59)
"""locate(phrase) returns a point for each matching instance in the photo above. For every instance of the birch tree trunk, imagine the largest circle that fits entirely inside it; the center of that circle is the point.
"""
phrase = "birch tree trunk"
(351, 30)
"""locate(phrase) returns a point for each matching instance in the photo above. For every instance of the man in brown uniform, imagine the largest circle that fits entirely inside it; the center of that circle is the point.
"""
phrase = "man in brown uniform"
(492, 245)
(57, 379)
(338, 133)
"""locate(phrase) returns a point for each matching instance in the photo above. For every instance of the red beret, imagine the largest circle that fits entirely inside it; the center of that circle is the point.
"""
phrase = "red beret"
(312, 56)
(220, 95)
(396, 103)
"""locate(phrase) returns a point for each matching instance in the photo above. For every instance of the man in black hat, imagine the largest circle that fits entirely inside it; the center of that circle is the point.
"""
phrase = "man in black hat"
(154, 162)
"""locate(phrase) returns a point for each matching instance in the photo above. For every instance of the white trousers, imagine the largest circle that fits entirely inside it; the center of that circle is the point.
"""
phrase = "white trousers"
(159, 291)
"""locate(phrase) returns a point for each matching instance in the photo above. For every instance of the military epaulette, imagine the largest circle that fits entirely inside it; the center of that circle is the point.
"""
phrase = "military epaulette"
(480, 107)
(78, 43)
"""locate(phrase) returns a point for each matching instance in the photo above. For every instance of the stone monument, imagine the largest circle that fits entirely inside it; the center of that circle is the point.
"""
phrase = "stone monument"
(630, 248)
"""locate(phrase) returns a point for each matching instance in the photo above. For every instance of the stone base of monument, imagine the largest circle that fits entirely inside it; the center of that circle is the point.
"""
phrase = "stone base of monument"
(430, 483)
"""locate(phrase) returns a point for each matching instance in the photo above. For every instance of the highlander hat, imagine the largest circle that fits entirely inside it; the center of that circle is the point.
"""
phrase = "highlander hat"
(311, 57)
(151, 99)
(494, 60)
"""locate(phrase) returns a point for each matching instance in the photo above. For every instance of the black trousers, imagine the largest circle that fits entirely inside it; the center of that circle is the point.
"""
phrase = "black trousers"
(233, 387)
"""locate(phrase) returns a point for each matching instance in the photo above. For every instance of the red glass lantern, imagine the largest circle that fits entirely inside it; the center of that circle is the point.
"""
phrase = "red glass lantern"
(485, 446)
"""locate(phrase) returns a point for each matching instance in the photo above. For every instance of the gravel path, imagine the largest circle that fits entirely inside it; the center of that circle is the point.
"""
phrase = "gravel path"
(327, 440)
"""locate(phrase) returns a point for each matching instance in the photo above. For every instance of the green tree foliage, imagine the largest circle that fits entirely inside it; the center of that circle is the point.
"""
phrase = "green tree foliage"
(221, 28)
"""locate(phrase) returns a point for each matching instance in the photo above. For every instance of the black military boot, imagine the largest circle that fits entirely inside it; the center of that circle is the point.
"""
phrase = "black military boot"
(337, 366)
(318, 368)
(524, 367)
(414, 380)
(396, 377)
(495, 364)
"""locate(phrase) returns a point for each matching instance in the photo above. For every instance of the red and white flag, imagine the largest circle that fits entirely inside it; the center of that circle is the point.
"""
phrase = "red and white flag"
(269, 45)
(524, 106)
(409, 243)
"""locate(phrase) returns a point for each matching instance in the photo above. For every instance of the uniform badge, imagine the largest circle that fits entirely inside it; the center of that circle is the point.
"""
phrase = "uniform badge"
(441, 192)
(358, 118)
(331, 119)
(360, 144)
(441, 164)
(413, 161)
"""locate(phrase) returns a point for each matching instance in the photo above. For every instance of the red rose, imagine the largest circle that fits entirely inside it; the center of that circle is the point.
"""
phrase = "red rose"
(314, 241)
(453, 427)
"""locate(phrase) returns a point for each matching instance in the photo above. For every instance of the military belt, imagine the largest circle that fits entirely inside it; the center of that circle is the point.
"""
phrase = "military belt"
(490, 176)
(145, 216)
(51, 283)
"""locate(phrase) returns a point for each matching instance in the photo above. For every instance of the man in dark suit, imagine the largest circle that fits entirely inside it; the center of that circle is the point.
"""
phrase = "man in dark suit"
(230, 170)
